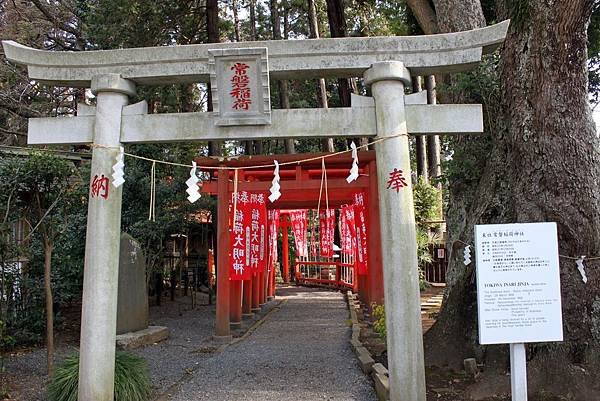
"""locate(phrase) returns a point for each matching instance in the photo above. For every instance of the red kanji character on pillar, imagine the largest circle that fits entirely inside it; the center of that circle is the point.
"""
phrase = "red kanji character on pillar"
(100, 184)
(396, 180)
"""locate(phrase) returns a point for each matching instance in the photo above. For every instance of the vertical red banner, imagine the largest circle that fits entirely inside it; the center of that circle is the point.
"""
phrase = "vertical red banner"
(348, 230)
(326, 231)
(248, 235)
(258, 233)
(360, 218)
(299, 219)
(273, 222)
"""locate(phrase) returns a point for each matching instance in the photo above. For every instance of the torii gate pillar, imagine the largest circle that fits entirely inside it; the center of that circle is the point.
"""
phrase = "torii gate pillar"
(101, 267)
(398, 235)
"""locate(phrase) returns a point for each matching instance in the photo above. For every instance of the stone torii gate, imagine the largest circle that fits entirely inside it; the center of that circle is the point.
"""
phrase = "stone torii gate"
(239, 74)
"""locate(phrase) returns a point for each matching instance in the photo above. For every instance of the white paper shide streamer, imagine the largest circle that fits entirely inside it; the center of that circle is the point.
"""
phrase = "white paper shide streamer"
(467, 255)
(275, 194)
(118, 173)
(354, 169)
(192, 183)
(581, 268)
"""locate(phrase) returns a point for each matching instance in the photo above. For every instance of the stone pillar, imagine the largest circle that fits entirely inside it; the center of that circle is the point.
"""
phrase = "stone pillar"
(398, 234)
(101, 267)
(222, 330)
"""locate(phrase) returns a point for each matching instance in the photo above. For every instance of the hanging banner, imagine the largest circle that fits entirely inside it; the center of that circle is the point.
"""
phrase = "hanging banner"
(348, 230)
(299, 219)
(360, 218)
(313, 236)
(248, 237)
(273, 219)
(326, 231)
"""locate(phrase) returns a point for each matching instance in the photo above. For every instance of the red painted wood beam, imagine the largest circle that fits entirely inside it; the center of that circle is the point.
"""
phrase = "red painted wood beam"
(285, 250)
(244, 161)
(247, 297)
(335, 184)
(255, 293)
(235, 302)
(263, 288)
(222, 315)
(375, 278)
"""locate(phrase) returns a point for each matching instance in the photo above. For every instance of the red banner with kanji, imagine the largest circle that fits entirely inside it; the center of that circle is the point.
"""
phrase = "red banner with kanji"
(326, 231)
(299, 219)
(348, 230)
(248, 237)
(273, 221)
(360, 218)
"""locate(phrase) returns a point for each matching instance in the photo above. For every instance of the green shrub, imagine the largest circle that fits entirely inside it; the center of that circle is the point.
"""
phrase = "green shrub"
(379, 323)
(132, 382)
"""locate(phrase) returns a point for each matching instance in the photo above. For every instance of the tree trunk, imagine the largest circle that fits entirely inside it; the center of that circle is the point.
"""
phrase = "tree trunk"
(544, 152)
(327, 144)
(420, 141)
(252, 7)
(236, 20)
(434, 150)
(425, 15)
(337, 28)
(284, 99)
(48, 247)
(212, 31)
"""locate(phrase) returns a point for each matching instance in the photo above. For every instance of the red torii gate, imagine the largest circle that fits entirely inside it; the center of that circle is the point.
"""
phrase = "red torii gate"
(300, 189)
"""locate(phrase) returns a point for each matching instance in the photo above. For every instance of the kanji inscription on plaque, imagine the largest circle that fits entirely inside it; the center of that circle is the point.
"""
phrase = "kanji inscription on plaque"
(239, 81)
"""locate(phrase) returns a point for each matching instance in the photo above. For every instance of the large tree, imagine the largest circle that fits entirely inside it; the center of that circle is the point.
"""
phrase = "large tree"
(540, 161)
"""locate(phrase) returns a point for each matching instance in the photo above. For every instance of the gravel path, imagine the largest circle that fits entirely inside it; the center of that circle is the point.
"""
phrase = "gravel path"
(300, 352)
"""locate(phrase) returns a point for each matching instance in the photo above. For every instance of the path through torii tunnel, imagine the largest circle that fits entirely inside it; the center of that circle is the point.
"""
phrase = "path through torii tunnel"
(239, 74)
(305, 187)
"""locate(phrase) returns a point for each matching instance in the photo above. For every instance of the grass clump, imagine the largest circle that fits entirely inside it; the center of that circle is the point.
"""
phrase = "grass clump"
(132, 381)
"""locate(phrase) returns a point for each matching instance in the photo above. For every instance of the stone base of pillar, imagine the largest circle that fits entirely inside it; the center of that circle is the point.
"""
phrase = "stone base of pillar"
(235, 325)
(247, 315)
(222, 339)
(270, 298)
(255, 310)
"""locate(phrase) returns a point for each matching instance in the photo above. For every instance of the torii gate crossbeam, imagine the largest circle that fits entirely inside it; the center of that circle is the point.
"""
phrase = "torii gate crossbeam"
(386, 64)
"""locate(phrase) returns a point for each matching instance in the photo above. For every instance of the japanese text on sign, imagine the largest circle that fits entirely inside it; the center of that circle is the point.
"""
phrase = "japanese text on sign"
(360, 219)
(518, 283)
(299, 219)
(248, 235)
(240, 89)
(326, 231)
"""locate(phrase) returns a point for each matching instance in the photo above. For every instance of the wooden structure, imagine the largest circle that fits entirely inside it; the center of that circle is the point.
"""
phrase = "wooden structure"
(300, 189)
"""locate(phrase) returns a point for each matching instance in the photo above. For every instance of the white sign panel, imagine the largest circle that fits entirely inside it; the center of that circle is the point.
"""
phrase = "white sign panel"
(518, 283)
(240, 86)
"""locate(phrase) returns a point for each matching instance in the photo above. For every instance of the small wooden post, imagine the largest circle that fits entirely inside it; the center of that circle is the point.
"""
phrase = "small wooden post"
(518, 372)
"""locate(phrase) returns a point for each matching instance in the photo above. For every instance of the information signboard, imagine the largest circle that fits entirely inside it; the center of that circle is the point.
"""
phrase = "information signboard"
(518, 283)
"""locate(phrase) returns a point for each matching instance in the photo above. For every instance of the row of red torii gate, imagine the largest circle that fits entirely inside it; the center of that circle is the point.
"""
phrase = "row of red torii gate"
(335, 225)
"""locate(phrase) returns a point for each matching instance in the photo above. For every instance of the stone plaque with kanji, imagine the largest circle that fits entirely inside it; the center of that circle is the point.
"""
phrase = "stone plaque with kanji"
(239, 81)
